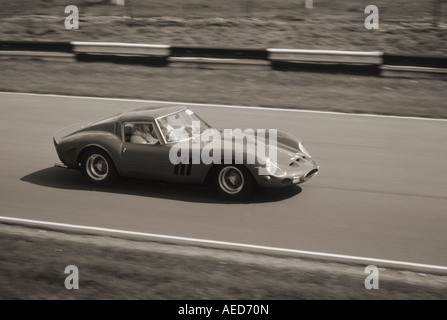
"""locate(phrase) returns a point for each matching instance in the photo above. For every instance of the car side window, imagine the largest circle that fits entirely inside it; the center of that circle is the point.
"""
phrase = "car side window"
(140, 132)
(128, 127)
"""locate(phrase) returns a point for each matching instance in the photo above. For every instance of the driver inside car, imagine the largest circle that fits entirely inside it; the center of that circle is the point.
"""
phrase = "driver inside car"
(143, 134)
(171, 133)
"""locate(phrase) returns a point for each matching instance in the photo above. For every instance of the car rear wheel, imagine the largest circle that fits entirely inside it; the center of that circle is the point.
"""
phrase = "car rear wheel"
(98, 167)
(233, 181)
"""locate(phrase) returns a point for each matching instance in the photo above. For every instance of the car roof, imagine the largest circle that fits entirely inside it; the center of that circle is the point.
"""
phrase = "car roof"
(148, 113)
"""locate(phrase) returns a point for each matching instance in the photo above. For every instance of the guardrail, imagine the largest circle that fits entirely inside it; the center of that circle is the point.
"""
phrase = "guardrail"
(43, 46)
(325, 56)
(414, 61)
(283, 59)
(129, 53)
(219, 53)
(117, 48)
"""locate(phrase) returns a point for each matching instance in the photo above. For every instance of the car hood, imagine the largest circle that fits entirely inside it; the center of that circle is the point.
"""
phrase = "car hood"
(262, 142)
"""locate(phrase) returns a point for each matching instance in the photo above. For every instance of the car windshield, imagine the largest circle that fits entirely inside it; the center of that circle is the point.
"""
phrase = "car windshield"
(181, 126)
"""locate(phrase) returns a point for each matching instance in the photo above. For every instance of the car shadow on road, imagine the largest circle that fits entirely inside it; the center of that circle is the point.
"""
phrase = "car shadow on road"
(70, 179)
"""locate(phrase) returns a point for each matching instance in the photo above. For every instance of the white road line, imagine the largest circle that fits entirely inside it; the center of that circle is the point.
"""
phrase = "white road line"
(223, 106)
(230, 244)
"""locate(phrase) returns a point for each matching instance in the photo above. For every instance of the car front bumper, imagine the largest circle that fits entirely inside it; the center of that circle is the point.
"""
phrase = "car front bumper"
(299, 172)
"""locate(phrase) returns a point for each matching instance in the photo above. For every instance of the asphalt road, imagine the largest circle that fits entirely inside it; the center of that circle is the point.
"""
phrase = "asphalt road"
(381, 191)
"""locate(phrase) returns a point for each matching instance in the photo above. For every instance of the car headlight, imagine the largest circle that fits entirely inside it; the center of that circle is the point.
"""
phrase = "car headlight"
(303, 150)
(273, 169)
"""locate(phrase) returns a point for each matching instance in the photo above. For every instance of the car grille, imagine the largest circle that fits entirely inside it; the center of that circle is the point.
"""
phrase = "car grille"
(311, 173)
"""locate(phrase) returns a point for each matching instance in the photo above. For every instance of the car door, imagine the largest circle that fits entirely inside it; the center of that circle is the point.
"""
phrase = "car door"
(150, 161)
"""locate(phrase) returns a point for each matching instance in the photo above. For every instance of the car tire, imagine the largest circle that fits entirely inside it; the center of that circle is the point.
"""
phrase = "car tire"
(98, 167)
(233, 181)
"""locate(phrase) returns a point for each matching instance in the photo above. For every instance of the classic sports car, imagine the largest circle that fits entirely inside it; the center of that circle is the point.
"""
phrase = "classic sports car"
(174, 144)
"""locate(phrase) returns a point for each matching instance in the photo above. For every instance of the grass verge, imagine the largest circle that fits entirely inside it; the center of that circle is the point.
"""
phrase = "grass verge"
(33, 262)
(405, 27)
(258, 86)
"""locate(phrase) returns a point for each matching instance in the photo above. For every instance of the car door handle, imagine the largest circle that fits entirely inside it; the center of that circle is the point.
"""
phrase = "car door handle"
(124, 150)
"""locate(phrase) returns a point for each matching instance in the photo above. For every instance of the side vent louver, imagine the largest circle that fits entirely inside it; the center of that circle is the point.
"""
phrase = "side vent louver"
(182, 169)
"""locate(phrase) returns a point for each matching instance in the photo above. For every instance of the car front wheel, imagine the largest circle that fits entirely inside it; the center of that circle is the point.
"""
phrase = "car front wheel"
(98, 167)
(233, 181)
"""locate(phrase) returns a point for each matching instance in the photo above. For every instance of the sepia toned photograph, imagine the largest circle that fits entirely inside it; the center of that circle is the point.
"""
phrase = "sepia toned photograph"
(223, 158)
